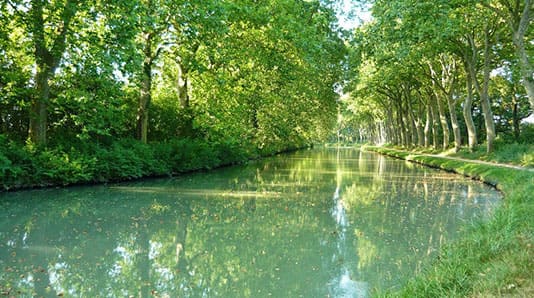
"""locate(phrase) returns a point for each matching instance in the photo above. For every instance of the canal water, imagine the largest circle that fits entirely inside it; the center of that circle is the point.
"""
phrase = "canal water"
(332, 222)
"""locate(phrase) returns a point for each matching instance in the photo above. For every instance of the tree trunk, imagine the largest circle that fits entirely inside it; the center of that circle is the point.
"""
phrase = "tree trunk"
(519, 43)
(515, 119)
(39, 108)
(146, 92)
(47, 57)
(402, 131)
(483, 93)
(414, 131)
(454, 123)
(468, 114)
(435, 124)
(392, 138)
(526, 69)
(181, 87)
(183, 95)
(427, 126)
(444, 123)
(407, 131)
(482, 90)
(420, 132)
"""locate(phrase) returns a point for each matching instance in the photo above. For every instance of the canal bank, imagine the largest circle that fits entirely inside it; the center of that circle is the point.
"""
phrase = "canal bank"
(494, 258)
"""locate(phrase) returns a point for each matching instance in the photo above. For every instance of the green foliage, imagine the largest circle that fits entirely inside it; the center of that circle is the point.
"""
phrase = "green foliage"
(221, 81)
(124, 159)
(415, 56)
(16, 164)
(522, 154)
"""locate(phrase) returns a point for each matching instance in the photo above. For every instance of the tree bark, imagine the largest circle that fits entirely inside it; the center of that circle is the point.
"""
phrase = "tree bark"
(526, 67)
(39, 108)
(454, 122)
(483, 90)
(427, 126)
(181, 86)
(443, 121)
(411, 119)
(486, 105)
(146, 92)
(420, 132)
(468, 114)
(516, 121)
(435, 124)
(47, 60)
(402, 130)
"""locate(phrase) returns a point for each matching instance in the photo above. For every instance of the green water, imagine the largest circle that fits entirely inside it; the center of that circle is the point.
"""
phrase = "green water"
(317, 223)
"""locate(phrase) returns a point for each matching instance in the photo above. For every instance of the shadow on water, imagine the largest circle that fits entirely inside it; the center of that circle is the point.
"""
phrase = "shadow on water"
(317, 223)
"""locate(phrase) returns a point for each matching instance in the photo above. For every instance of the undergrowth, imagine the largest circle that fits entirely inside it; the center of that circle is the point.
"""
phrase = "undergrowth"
(23, 165)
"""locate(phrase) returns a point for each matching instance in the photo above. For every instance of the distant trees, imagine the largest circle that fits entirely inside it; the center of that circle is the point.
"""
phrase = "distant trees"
(428, 61)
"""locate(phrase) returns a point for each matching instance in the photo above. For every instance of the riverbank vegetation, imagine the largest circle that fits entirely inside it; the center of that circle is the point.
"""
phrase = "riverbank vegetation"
(98, 91)
(493, 259)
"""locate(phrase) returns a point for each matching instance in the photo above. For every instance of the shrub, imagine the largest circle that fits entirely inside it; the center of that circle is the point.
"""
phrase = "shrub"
(82, 161)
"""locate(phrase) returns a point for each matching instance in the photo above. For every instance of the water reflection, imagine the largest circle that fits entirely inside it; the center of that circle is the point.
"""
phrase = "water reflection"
(321, 223)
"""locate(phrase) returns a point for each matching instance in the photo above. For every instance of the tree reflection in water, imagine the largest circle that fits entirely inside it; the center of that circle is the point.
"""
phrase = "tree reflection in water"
(318, 223)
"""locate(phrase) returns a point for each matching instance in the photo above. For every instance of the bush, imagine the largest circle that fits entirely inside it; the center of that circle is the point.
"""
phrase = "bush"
(15, 164)
(123, 159)
(521, 153)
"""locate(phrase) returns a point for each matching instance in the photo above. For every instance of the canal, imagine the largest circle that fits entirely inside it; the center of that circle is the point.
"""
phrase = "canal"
(334, 222)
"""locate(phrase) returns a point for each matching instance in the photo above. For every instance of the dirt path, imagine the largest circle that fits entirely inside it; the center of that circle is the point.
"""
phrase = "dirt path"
(470, 160)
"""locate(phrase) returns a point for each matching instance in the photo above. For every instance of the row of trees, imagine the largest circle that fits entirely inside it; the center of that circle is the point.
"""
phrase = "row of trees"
(260, 73)
(429, 70)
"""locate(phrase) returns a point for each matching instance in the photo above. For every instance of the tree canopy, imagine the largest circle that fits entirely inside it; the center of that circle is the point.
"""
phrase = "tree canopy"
(257, 73)
(82, 79)
(419, 65)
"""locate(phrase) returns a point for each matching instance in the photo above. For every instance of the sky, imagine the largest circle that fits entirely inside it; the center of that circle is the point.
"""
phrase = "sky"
(352, 15)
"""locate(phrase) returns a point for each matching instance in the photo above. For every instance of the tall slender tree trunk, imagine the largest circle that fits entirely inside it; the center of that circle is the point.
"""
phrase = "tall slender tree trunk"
(443, 121)
(391, 124)
(468, 114)
(428, 123)
(401, 126)
(413, 126)
(483, 91)
(435, 123)
(181, 86)
(454, 122)
(516, 121)
(526, 69)
(416, 136)
(145, 97)
(420, 132)
(392, 129)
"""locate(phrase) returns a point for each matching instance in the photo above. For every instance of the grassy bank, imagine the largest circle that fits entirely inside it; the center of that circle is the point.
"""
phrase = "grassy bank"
(494, 259)
(22, 166)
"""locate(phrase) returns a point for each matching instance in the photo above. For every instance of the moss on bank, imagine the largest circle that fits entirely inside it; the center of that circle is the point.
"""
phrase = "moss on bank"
(494, 258)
